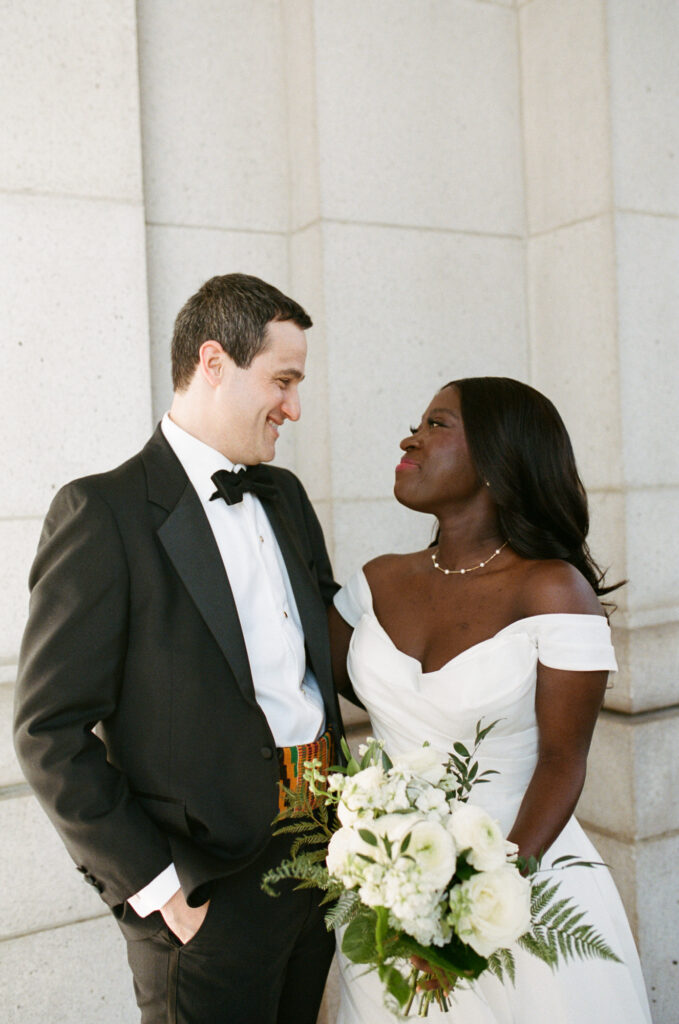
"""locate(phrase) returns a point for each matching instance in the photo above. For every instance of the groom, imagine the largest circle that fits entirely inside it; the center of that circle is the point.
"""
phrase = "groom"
(176, 662)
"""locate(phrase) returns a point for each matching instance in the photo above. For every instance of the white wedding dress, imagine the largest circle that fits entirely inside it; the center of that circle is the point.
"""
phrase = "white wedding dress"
(492, 680)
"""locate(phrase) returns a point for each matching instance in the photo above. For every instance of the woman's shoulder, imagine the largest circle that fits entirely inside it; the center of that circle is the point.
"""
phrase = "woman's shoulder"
(553, 586)
(388, 570)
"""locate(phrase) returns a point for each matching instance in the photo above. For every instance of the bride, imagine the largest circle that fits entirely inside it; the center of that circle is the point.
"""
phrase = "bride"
(500, 620)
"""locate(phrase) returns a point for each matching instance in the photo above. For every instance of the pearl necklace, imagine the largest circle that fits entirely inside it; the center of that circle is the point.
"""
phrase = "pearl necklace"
(461, 572)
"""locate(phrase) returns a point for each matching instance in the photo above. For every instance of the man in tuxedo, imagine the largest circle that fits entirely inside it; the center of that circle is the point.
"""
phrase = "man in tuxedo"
(176, 662)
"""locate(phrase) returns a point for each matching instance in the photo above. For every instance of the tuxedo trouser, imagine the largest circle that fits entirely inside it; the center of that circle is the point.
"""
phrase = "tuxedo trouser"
(255, 959)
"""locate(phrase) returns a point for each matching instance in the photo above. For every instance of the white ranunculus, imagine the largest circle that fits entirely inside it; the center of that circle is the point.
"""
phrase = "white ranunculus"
(395, 827)
(473, 829)
(341, 848)
(346, 814)
(426, 762)
(492, 909)
(433, 850)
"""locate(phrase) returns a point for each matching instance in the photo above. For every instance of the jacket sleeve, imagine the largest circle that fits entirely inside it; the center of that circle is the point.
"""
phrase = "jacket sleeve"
(70, 674)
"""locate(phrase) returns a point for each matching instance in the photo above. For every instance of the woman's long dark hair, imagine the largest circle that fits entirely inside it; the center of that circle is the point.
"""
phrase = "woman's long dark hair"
(519, 444)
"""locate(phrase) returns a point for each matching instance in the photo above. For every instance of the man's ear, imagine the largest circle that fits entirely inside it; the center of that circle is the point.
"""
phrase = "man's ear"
(213, 363)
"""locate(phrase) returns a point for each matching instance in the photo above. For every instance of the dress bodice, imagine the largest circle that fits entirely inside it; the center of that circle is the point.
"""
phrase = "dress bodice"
(492, 680)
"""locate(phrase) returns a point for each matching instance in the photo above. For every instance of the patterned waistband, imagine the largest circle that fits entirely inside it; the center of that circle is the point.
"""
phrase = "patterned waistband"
(291, 763)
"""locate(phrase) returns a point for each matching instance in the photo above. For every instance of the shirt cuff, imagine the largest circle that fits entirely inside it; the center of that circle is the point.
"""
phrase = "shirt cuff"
(156, 894)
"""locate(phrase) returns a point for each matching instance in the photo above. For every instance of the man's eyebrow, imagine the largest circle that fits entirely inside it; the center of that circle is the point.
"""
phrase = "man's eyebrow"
(291, 373)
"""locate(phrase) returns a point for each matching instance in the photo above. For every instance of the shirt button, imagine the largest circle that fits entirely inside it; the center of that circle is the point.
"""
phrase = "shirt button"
(261, 538)
(285, 613)
(267, 753)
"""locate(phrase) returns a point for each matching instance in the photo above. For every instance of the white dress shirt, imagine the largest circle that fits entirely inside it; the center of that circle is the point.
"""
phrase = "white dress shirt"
(285, 688)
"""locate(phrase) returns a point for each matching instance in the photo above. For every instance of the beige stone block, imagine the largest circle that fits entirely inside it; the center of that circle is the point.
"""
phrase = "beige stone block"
(75, 347)
(39, 885)
(353, 717)
(18, 544)
(180, 260)
(68, 975)
(652, 566)
(330, 1005)
(313, 437)
(213, 113)
(69, 105)
(632, 787)
(323, 510)
(406, 312)
(10, 772)
(418, 114)
(648, 659)
(299, 55)
(565, 111)
(572, 310)
(658, 934)
(645, 873)
(607, 543)
(365, 529)
(648, 300)
(643, 44)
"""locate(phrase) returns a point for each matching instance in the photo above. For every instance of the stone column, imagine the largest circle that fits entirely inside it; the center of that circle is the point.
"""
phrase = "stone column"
(407, 226)
(214, 136)
(76, 399)
(600, 84)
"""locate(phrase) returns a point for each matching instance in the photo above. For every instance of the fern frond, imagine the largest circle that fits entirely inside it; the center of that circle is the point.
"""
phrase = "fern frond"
(344, 910)
(502, 963)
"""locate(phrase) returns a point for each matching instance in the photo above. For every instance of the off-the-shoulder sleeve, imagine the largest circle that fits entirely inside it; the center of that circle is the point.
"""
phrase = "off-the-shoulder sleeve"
(354, 599)
(575, 643)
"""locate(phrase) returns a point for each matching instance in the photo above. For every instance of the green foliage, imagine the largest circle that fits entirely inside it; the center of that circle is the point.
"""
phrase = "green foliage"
(394, 982)
(463, 767)
(556, 931)
(358, 942)
(346, 908)
(502, 964)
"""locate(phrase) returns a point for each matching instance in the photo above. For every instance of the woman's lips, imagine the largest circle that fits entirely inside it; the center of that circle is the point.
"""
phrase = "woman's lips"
(406, 464)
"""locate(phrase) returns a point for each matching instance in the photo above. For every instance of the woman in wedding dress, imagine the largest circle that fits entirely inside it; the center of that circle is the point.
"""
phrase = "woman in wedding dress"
(500, 620)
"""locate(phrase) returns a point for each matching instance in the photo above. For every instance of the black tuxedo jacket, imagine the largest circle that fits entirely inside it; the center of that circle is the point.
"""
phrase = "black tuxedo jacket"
(133, 632)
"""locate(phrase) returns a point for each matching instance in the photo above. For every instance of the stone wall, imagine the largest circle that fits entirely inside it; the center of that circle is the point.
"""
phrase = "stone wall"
(451, 187)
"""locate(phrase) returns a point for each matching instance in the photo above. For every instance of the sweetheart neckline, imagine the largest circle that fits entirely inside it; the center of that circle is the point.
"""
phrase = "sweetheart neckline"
(480, 643)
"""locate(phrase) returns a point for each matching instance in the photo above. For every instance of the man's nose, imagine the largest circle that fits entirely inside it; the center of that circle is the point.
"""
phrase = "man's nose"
(291, 407)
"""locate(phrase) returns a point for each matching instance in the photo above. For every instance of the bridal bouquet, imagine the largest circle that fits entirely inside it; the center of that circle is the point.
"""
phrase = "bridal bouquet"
(413, 870)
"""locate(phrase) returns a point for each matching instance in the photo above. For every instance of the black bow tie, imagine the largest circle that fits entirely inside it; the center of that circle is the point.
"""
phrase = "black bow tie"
(232, 486)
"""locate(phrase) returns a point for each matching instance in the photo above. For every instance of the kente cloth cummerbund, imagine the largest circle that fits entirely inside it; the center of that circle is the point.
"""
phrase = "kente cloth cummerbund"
(291, 762)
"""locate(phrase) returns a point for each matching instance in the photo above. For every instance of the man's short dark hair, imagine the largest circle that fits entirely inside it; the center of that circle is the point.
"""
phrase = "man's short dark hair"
(233, 309)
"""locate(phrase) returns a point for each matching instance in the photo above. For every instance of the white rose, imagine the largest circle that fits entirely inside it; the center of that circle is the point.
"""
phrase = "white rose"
(492, 909)
(433, 851)
(474, 830)
(426, 762)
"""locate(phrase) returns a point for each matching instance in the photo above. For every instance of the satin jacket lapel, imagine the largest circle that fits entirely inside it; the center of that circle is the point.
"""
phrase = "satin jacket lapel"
(190, 544)
(310, 606)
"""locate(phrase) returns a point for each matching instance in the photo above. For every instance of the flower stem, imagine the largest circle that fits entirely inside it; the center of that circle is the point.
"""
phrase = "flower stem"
(413, 989)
